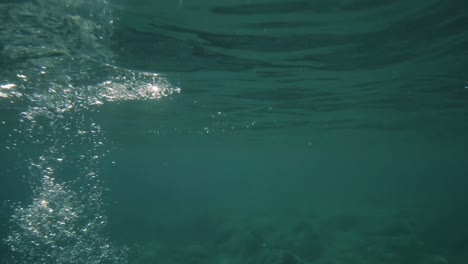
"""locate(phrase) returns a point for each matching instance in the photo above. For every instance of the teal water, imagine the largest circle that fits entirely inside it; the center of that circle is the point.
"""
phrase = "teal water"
(228, 132)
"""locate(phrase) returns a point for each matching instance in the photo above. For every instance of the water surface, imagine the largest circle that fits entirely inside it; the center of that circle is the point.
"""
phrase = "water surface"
(233, 131)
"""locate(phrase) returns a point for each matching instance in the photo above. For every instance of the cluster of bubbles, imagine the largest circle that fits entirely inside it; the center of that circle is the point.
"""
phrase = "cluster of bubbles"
(58, 226)
(57, 68)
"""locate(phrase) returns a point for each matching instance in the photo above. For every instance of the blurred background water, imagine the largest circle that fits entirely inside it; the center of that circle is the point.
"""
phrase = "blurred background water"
(233, 131)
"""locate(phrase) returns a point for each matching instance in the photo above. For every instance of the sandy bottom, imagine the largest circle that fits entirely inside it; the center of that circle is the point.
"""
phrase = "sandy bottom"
(385, 237)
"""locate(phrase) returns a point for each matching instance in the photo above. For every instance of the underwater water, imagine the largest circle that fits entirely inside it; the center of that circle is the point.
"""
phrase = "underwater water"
(233, 131)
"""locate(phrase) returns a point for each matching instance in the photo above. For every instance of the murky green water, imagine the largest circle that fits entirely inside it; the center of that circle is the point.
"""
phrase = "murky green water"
(229, 132)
